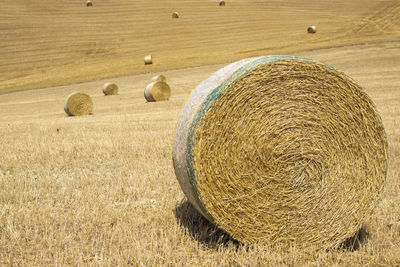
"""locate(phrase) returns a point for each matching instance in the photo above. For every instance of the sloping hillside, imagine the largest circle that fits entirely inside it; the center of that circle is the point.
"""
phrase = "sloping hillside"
(47, 42)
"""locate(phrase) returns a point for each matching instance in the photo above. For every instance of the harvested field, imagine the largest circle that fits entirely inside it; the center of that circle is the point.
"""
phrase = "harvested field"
(45, 41)
(101, 189)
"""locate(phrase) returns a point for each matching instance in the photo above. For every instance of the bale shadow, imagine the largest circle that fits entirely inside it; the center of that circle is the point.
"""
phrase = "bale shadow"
(209, 235)
(201, 229)
(354, 242)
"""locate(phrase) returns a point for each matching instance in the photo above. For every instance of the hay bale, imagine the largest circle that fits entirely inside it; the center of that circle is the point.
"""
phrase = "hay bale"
(312, 29)
(148, 60)
(78, 104)
(157, 91)
(221, 3)
(89, 3)
(281, 150)
(110, 89)
(159, 78)
(175, 15)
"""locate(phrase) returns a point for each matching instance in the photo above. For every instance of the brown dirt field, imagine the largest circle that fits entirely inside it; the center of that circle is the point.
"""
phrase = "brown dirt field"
(100, 189)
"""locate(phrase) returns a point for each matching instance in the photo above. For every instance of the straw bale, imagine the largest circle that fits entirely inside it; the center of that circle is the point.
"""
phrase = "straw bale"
(157, 91)
(175, 15)
(221, 3)
(159, 78)
(148, 60)
(110, 89)
(312, 29)
(89, 3)
(78, 104)
(282, 150)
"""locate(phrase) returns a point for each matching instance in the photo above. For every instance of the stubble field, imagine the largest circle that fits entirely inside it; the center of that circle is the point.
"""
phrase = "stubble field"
(100, 189)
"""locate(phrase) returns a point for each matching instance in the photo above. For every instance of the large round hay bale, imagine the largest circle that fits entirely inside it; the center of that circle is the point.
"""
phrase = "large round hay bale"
(221, 3)
(157, 91)
(159, 78)
(78, 104)
(110, 89)
(281, 150)
(89, 3)
(148, 60)
(312, 29)
(175, 15)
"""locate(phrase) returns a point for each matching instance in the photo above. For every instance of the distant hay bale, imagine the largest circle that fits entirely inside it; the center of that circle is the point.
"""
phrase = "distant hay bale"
(175, 15)
(221, 3)
(148, 60)
(157, 91)
(312, 29)
(78, 104)
(89, 3)
(159, 78)
(110, 89)
(282, 150)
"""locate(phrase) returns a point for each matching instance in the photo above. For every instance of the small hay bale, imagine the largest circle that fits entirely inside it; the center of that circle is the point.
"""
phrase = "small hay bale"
(312, 29)
(78, 104)
(148, 60)
(110, 89)
(175, 15)
(282, 150)
(221, 3)
(159, 78)
(157, 91)
(89, 3)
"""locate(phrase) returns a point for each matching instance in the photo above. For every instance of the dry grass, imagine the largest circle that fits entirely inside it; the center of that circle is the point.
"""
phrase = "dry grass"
(175, 15)
(62, 42)
(110, 89)
(100, 190)
(78, 104)
(289, 151)
(159, 78)
(148, 60)
(157, 91)
(312, 29)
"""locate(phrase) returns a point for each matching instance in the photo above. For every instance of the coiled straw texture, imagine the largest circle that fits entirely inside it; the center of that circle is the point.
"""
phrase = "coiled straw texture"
(282, 150)
(157, 91)
(159, 78)
(110, 89)
(78, 104)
